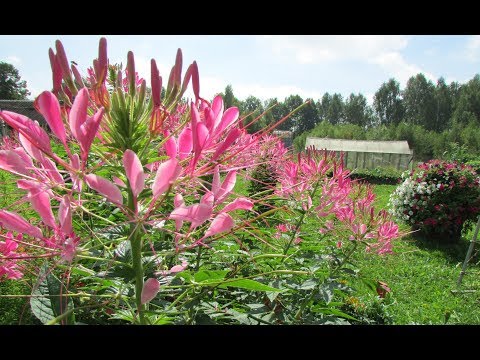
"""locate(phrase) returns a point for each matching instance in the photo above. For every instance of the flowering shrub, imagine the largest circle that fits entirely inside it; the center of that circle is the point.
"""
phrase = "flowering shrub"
(437, 197)
(136, 217)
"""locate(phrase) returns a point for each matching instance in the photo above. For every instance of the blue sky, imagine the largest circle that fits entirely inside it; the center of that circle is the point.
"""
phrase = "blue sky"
(264, 66)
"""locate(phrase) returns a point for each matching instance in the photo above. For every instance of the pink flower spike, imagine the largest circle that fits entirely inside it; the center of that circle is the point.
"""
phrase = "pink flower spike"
(15, 222)
(151, 287)
(222, 222)
(88, 131)
(239, 204)
(56, 71)
(195, 81)
(105, 188)
(102, 61)
(62, 59)
(156, 82)
(178, 67)
(78, 76)
(167, 173)
(65, 215)
(134, 171)
(131, 73)
(47, 104)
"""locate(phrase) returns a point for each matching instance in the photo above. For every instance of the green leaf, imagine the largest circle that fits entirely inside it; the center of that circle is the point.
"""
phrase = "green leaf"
(248, 285)
(210, 275)
(46, 302)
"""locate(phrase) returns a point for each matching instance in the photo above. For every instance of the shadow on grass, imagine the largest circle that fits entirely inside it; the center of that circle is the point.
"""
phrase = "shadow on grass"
(455, 251)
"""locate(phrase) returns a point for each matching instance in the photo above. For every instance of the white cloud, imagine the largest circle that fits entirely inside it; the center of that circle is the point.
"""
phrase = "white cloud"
(14, 60)
(383, 51)
(314, 49)
(473, 48)
(396, 66)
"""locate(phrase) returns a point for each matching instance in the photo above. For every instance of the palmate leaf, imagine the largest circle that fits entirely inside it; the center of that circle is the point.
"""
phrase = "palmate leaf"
(47, 302)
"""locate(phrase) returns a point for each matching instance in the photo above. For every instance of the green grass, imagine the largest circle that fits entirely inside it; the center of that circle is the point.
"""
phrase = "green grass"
(422, 276)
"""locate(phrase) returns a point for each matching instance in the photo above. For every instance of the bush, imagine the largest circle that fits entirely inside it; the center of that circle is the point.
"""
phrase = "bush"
(438, 198)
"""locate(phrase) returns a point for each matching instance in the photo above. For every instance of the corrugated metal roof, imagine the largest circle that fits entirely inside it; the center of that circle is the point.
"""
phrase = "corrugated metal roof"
(387, 147)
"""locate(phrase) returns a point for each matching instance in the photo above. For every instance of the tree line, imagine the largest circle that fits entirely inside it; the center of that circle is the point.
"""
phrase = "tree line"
(446, 112)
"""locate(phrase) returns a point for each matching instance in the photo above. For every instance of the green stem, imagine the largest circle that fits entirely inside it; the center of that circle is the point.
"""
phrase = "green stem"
(136, 244)
(199, 255)
(300, 221)
(344, 260)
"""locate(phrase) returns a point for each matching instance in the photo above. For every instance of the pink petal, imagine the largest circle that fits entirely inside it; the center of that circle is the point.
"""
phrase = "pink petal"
(119, 182)
(10, 161)
(202, 137)
(216, 180)
(170, 145)
(185, 143)
(30, 149)
(65, 215)
(105, 188)
(207, 198)
(151, 287)
(25, 157)
(231, 137)
(178, 268)
(78, 113)
(217, 107)
(29, 128)
(178, 200)
(167, 173)
(47, 104)
(134, 172)
(229, 117)
(197, 214)
(88, 131)
(239, 204)
(52, 171)
(222, 222)
(40, 201)
(227, 186)
(15, 222)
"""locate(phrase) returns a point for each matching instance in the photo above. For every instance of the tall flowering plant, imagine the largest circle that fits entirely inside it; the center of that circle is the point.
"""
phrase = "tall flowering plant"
(134, 202)
(438, 197)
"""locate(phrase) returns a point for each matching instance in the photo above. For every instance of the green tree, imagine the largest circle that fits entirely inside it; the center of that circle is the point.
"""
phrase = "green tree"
(229, 99)
(443, 104)
(357, 111)
(251, 109)
(291, 103)
(468, 103)
(11, 85)
(308, 117)
(277, 112)
(335, 110)
(419, 102)
(388, 104)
